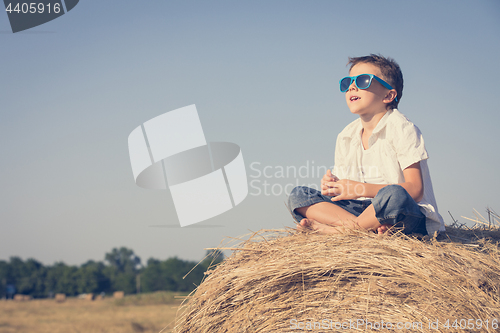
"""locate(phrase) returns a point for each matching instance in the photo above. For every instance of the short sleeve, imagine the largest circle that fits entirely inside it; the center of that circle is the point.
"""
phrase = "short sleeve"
(409, 145)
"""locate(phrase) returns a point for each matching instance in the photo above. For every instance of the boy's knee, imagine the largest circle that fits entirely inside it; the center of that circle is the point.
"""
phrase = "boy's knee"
(396, 193)
(394, 205)
(295, 196)
(395, 198)
(297, 192)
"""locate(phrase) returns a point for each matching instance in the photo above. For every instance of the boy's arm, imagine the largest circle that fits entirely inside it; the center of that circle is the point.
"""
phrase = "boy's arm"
(348, 189)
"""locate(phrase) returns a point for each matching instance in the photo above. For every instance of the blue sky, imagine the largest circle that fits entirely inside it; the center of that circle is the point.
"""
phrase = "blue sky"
(263, 74)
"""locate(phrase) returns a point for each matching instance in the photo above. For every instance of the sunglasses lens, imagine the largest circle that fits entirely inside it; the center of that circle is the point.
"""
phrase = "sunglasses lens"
(345, 83)
(363, 81)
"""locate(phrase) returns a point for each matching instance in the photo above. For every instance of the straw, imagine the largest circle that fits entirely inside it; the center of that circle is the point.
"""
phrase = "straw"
(277, 280)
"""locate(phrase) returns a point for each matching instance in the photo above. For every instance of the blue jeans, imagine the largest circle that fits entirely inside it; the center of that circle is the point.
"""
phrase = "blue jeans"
(392, 204)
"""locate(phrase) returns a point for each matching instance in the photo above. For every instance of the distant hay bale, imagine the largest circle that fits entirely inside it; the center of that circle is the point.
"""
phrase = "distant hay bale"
(118, 294)
(99, 298)
(60, 298)
(280, 281)
(89, 297)
(21, 298)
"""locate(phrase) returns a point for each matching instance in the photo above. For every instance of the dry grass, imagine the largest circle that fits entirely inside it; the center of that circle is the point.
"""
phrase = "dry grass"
(276, 276)
(132, 314)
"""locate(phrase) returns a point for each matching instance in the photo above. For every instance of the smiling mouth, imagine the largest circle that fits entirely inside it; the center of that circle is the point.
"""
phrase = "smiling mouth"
(354, 98)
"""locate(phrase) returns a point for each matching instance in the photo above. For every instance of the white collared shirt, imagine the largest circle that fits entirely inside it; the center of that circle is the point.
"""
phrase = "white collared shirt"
(396, 143)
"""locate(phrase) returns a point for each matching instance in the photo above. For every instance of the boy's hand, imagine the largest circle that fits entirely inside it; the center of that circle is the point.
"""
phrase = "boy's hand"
(327, 183)
(346, 189)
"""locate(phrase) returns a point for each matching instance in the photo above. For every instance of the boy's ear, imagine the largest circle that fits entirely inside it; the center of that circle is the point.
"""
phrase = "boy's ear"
(391, 95)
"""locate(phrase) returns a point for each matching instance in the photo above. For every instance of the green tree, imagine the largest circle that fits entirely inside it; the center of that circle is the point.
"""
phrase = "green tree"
(28, 277)
(62, 278)
(35, 281)
(123, 268)
(92, 278)
(151, 277)
(124, 260)
(33, 278)
(172, 274)
(4, 275)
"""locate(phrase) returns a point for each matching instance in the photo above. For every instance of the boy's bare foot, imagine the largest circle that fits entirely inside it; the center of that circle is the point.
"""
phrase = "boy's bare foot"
(309, 224)
(313, 225)
(384, 228)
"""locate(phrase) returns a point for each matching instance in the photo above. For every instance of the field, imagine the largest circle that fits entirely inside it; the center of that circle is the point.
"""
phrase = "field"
(136, 313)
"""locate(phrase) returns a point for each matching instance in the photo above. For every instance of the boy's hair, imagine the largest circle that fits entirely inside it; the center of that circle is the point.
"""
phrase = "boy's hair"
(390, 72)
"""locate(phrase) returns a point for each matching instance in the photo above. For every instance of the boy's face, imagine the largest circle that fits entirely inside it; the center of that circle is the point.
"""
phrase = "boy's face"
(368, 101)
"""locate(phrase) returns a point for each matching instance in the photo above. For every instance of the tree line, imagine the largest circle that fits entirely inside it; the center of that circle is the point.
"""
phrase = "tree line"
(121, 270)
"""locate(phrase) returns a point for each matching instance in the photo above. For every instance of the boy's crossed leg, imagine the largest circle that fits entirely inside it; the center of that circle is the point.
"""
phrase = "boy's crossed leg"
(392, 208)
(329, 218)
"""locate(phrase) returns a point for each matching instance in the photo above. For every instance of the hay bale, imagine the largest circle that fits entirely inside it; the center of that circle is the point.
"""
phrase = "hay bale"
(21, 298)
(60, 298)
(99, 298)
(280, 281)
(89, 297)
(118, 294)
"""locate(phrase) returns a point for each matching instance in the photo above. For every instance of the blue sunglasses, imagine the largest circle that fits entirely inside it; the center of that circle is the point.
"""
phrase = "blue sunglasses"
(362, 81)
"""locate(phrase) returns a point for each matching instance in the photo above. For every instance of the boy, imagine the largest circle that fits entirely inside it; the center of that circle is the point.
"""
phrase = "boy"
(381, 179)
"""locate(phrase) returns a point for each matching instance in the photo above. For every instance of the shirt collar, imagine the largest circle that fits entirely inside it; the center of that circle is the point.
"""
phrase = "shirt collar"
(354, 129)
(382, 122)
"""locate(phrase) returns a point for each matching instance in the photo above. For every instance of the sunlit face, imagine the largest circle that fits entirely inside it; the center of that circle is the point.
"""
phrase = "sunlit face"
(370, 100)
